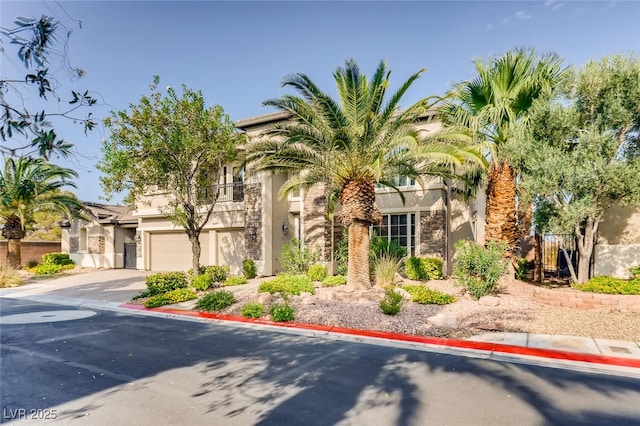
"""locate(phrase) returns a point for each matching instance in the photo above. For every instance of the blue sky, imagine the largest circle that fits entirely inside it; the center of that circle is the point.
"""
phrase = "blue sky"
(238, 52)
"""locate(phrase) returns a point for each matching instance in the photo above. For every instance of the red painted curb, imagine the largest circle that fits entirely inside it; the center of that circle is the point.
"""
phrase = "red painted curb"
(434, 341)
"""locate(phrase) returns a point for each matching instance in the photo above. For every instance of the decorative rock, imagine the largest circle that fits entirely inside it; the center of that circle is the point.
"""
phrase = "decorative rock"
(489, 301)
(405, 294)
(264, 298)
(443, 321)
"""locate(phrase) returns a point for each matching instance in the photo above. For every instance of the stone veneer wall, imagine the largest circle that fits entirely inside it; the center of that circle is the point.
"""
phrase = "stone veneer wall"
(253, 220)
(74, 244)
(433, 236)
(96, 244)
(317, 227)
(583, 300)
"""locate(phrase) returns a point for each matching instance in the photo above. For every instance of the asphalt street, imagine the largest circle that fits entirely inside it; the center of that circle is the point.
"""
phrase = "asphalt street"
(105, 368)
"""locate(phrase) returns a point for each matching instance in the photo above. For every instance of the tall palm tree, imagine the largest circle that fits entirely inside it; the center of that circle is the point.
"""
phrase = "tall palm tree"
(350, 145)
(28, 186)
(490, 108)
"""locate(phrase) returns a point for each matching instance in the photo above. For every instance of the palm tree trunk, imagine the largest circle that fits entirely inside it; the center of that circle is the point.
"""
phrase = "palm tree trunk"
(14, 257)
(358, 266)
(14, 232)
(501, 223)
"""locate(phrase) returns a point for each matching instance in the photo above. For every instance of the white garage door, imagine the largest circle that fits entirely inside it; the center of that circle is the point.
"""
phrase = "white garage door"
(231, 250)
(172, 251)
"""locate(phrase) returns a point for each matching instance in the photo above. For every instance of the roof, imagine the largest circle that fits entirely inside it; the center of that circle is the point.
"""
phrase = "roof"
(110, 214)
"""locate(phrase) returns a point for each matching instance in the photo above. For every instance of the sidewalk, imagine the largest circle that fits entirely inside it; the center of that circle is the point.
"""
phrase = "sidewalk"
(113, 289)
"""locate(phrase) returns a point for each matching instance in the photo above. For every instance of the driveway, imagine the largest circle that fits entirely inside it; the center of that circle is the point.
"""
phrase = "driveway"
(110, 287)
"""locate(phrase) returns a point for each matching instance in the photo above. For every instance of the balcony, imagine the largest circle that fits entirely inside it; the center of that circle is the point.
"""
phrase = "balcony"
(230, 192)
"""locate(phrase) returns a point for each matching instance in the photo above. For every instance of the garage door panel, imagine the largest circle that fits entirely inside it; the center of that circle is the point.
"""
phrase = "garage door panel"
(172, 251)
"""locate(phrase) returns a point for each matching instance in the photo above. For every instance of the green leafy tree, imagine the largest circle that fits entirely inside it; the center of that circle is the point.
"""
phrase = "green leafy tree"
(351, 144)
(488, 110)
(39, 47)
(28, 186)
(581, 155)
(178, 145)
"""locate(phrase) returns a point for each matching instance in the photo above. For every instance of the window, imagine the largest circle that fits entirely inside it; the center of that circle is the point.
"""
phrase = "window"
(295, 194)
(400, 228)
(399, 181)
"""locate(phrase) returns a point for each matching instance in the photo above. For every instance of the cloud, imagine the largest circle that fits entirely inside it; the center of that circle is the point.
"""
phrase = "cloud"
(553, 4)
(522, 15)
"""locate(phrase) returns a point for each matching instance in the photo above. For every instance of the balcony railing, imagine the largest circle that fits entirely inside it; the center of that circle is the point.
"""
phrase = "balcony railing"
(229, 192)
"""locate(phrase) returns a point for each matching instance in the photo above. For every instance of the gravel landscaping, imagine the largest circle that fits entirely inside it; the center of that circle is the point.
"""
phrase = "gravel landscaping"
(510, 310)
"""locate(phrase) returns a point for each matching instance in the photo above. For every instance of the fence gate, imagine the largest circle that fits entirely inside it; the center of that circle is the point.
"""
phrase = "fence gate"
(554, 261)
(130, 256)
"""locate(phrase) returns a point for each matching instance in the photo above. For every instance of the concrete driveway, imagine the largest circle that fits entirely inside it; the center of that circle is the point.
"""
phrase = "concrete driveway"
(111, 287)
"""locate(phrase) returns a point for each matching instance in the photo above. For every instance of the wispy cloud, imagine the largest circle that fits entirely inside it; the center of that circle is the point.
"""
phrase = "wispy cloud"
(522, 15)
(553, 4)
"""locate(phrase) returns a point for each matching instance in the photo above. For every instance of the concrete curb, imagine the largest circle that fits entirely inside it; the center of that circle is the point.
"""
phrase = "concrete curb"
(488, 349)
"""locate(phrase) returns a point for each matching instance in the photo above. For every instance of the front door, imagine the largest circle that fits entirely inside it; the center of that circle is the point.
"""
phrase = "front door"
(130, 255)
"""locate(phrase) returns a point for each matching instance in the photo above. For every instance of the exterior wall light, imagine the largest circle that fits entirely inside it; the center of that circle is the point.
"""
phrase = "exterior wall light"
(253, 233)
(285, 229)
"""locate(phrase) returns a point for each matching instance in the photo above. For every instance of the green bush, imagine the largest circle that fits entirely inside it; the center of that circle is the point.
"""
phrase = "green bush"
(169, 298)
(251, 310)
(57, 259)
(609, 285)
(424, 268)
(49, 268)
(296, 258)
(217, 273)
(478, 269)
(317, 272)
(231, 281)
(523, 269)
(202, 282)
(249, 269)
(288, 284)
(282, 312)
(426, 296)
(32, 264)
(216, 301)
(164, 282)
(380, 246)
(341, 254)
(391, 303)
(635, 272)
(334, 281)
(385, 268)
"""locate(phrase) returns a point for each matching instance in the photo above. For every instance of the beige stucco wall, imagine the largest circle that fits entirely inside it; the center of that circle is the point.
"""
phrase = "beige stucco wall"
(618, 246)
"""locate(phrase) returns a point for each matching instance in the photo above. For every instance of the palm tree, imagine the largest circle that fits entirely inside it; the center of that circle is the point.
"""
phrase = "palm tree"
(28, 186)
(351, 144)
(490, 108)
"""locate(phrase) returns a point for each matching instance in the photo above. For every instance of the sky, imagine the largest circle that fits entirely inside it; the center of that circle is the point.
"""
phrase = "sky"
(237, 53)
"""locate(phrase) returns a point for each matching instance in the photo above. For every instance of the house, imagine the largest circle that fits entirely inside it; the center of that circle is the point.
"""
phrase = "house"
(107, 240)
(250, 221)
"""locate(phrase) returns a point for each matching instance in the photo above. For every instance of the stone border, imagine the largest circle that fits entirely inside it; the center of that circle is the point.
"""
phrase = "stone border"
(569, 298)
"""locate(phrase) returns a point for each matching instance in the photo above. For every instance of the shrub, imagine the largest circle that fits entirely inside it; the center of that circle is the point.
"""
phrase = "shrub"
(202, 282)
(334, 281)
(9, 277)
(217, 273)
(341, 255)
(609, 285)
(426, 296)
(424, 268)
(49, 269)
(251, 310)
(295, 258)
(523, 269)
(391, 303)
(57, 259)
(32, 264)
(317, 272)
(164, 282)
(216, 301)
(380, 246)
(635, 272)
(169, 298)
(287, 284)
(385, 269)
(249, 269)
(282, 312)
(231, 281)
(478, 269)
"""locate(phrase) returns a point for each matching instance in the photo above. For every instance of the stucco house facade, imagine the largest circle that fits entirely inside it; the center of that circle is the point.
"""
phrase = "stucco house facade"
(107, 240)
(618, 243)
(250, 221)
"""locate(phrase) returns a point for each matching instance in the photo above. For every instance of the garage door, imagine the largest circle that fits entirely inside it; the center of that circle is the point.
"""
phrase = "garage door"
(172, 251)
(231, 250)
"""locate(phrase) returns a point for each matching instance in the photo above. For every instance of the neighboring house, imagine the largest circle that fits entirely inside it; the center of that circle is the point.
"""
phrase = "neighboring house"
(107, 241)
(618, 243)
(250, 221)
